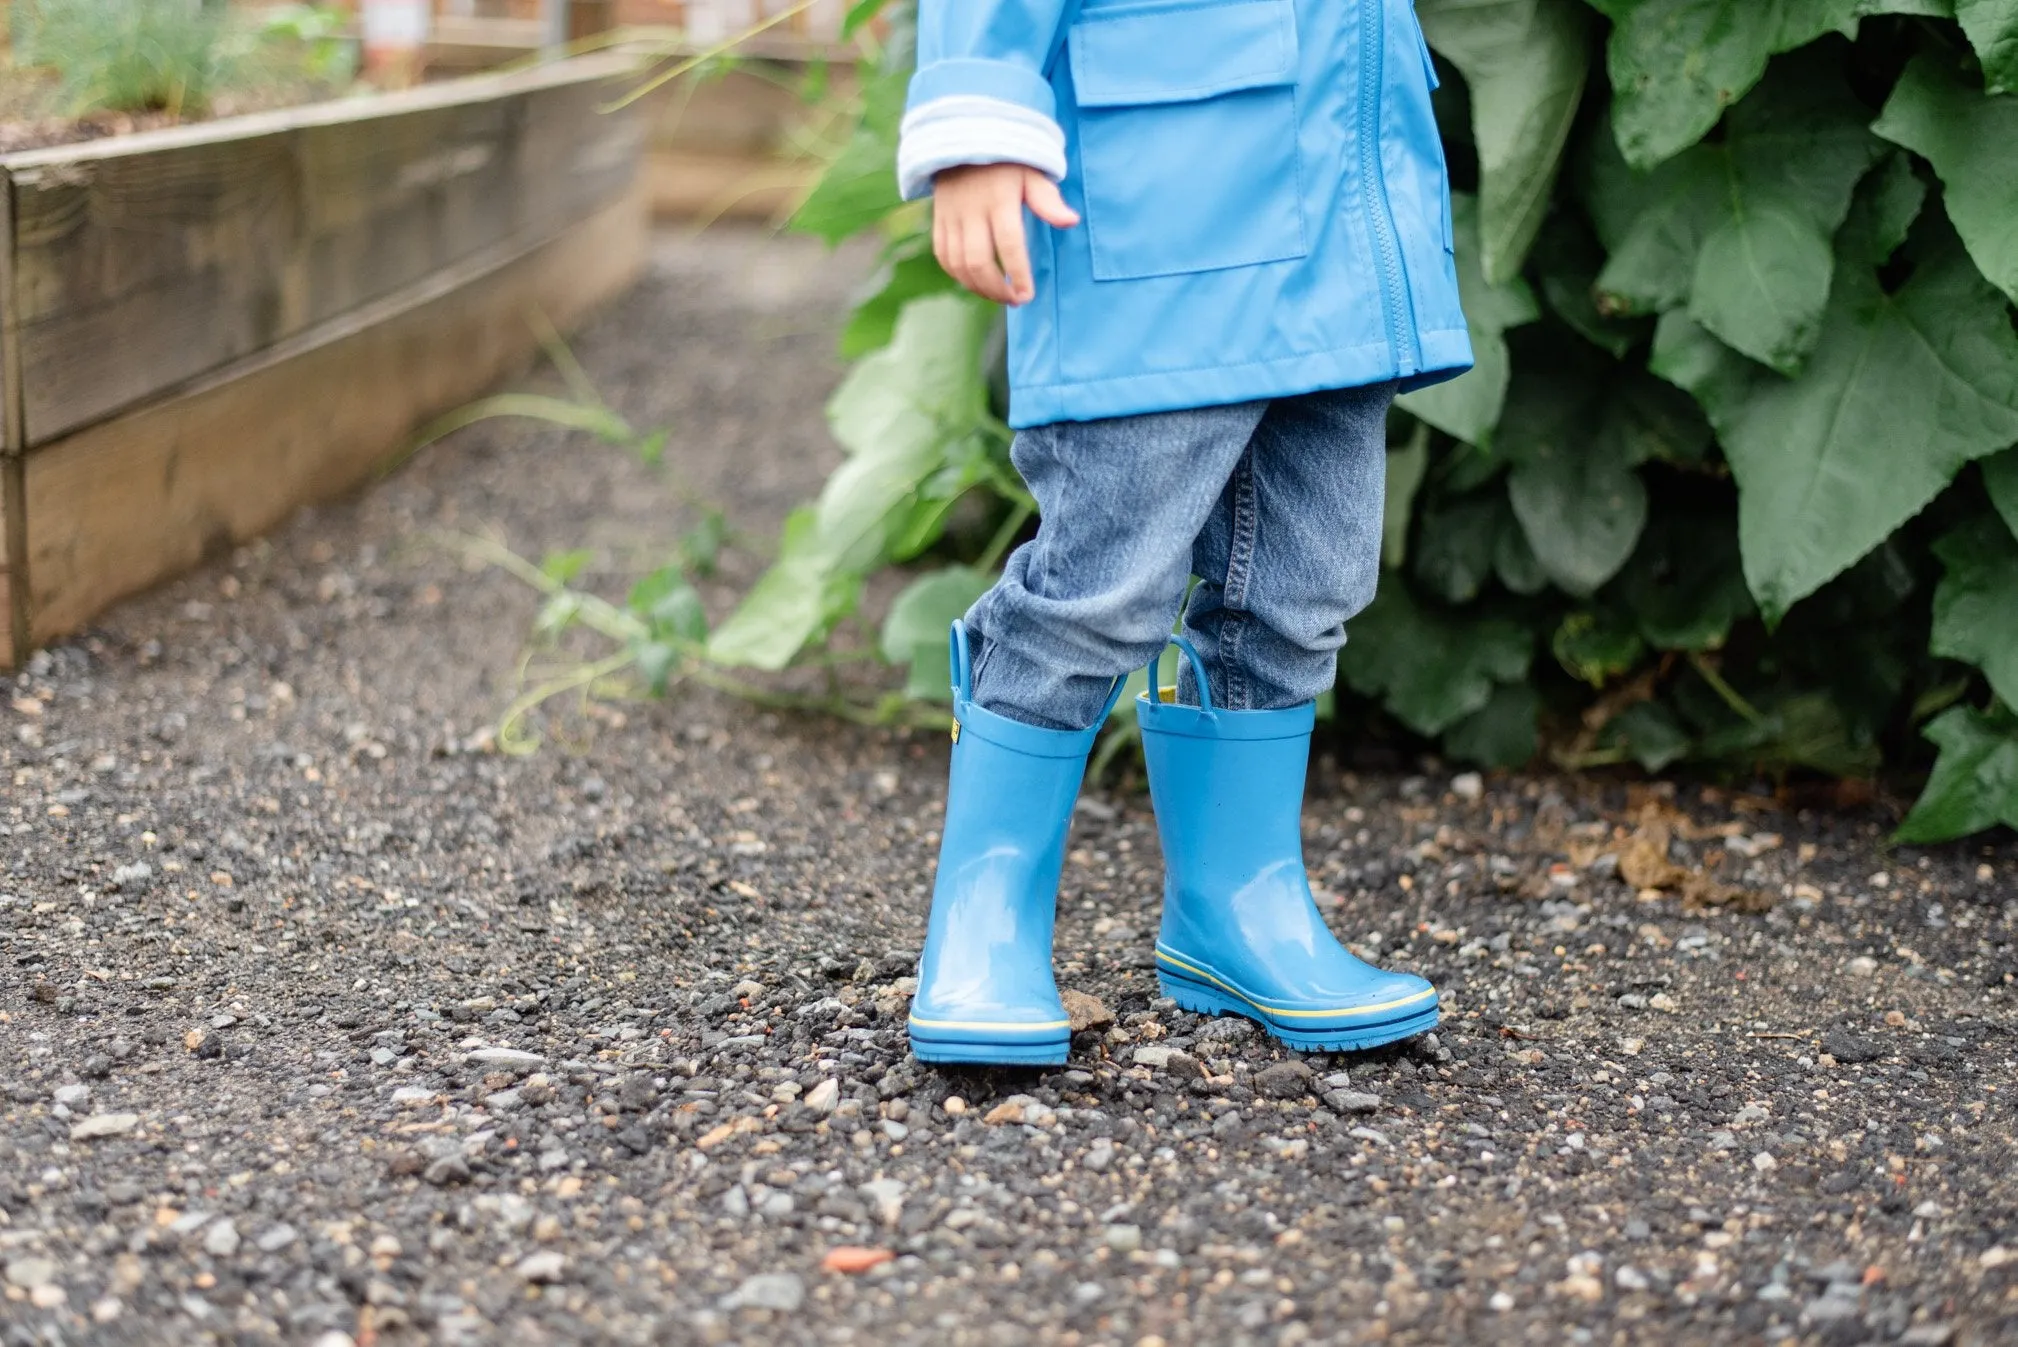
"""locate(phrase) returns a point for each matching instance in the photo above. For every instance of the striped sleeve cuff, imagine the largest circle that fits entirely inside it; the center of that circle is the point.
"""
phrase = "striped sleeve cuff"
(971, 129)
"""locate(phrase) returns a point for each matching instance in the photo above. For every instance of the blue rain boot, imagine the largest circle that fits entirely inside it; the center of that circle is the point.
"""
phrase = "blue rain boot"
(985, 988)
(1241, 933)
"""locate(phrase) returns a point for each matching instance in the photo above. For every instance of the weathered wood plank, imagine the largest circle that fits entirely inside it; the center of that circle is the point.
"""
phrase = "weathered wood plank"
(166, 256)
(13, 537)
(122, 504)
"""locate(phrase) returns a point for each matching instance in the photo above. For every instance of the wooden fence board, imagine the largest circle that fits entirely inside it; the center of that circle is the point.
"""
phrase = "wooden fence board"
(124, 503)
(187, 249)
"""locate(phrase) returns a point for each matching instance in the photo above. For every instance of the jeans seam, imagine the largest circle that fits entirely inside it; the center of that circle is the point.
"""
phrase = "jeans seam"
(1239, 566)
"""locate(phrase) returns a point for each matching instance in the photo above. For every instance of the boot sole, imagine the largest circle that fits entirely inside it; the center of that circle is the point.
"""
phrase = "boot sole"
(979, 1051)
(1202, 998)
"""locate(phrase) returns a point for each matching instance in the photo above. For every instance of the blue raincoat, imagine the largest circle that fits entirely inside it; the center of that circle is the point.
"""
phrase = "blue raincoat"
(1265, 209)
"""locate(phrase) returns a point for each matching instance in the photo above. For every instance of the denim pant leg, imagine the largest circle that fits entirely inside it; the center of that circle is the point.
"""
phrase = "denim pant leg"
(1094, 595)
(1292, 549)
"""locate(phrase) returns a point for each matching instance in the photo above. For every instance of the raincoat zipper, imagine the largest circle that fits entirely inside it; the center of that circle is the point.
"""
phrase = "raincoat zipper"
(1373, 189)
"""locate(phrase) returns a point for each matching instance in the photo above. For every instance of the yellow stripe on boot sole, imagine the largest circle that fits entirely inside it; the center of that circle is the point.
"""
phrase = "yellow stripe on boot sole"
(989, 1024)
(1427, 993)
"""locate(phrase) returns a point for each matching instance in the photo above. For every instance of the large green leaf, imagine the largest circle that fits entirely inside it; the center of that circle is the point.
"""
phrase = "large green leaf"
(1882, 212)
(1525, 62)
(2000, 475)
(1685, 586)
(1677, 64)
(1975, 781)
(1742, 228)
(1903, 389)
(1406, 468)
(792, 603)
(901, 414)
(857, 189)
(1469, 405)
(1976, 604)
(1968, 137)
(1992, 26)
(1566, 262)
(921, 614)
(1501, 733)
(910, 275)
(1576, 428)
(1430, 668)
(1454, 545)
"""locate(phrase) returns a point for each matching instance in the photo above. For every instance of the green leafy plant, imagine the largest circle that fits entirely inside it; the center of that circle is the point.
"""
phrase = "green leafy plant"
(127, 55)
(1733, 482)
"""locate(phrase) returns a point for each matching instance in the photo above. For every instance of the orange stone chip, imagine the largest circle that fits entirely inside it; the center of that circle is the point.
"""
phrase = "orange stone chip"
(853, 1258)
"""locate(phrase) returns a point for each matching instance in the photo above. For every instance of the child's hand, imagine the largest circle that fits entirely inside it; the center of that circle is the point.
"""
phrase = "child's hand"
(977, 226)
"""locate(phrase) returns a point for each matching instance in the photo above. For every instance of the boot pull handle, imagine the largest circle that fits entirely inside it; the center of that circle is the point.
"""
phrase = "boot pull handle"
(962, 662)
(960, 658)
(1197, 673)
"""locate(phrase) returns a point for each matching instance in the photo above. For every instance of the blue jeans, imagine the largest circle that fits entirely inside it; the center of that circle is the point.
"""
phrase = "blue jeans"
(1275, 506)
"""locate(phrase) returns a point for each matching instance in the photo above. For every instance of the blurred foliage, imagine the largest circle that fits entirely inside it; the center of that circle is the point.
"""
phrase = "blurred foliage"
(1733, 481)
(177, 56)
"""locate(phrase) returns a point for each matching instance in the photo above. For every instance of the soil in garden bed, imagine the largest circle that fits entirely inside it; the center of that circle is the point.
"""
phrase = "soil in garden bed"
(322, 1018)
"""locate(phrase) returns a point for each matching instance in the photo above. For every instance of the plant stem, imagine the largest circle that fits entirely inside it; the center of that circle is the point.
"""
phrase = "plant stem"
(721, 48)
(1730, 695)
(991, 555)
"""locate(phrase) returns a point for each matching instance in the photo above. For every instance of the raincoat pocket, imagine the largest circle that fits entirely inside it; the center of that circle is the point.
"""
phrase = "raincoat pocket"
(1188, 137)
(1429, 78)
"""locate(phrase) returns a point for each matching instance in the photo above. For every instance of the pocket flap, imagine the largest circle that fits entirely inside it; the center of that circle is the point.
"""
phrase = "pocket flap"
(1177, 55)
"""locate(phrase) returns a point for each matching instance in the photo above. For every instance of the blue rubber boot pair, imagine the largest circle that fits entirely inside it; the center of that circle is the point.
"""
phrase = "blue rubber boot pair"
(1241, 933)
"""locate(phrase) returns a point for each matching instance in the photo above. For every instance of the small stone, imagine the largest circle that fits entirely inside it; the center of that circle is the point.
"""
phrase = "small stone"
(894, 1130)
(73, 1096)
(887, 1196)
(546, 1266)
(412, 1096)
(851, 1259)
(1015, 1109)
(221, 1239)
(780, 1291)
(1351, 1101)
(1663, 1002)
(336, 1337)
(447, 1171)
(104, 1125)
(1122, 1239)
(1845, 1046)
(1500, 1302)
(275, 1238)
(29, 1273)
(1995, 1256)
(1830, 1307)
(954, 1105)
(1862, 966)
(822, 1097)
(1085, 1012)
(47, 1297)
(1288, 1079)
(1630, 1278)
(507, 1058)
(1764, 1162)
(1228, 1029)
(106, 1308)
(1174, 1060)
(1928, 1335)
(1467, 786)
(96, 1067)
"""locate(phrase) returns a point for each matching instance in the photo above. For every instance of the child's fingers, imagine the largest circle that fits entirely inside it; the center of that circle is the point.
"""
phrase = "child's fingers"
(1042, 196)
(979, 271)
(1014, 253)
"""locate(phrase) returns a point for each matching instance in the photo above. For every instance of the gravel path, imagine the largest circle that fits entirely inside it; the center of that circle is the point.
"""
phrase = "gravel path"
(320, 1024)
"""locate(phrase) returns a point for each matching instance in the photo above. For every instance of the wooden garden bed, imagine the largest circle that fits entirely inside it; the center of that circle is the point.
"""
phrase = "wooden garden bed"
(205, 327)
